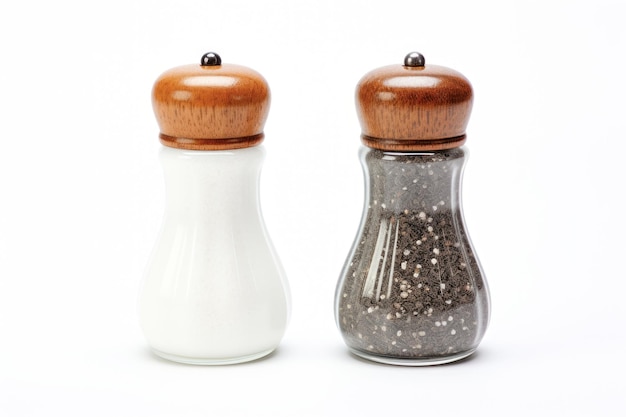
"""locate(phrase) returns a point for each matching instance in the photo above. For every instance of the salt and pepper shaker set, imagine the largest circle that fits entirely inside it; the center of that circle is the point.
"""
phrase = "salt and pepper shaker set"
(411, 292)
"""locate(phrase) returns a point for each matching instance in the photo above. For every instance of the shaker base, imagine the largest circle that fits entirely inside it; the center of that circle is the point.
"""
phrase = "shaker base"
(426, 361)
(211, 361)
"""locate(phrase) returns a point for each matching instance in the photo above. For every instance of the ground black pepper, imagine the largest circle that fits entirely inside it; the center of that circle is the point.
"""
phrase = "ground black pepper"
(412, 288)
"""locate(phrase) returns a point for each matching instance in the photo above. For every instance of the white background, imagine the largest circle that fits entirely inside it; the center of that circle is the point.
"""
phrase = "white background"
(82, 198)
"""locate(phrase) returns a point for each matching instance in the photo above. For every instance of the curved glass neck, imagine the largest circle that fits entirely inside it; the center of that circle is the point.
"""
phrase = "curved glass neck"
(419, 182)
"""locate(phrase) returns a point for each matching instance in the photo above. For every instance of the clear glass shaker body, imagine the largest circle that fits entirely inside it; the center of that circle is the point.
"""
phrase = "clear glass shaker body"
(412, 291)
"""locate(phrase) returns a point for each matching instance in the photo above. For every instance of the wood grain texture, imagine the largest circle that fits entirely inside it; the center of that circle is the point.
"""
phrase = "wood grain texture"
(413, 145)
(211, 107)
(211, 144)
(413, 108)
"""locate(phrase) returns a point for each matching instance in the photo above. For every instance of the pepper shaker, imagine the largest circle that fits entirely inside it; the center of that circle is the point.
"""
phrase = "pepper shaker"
(412, 291)
(214, 291)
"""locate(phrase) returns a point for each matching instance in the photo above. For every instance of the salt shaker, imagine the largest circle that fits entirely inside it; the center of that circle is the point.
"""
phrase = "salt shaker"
(214, 291)
(412, 291)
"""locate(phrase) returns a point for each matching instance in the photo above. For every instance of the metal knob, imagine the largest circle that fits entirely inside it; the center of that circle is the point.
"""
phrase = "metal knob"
(210, 59)
(414, 59)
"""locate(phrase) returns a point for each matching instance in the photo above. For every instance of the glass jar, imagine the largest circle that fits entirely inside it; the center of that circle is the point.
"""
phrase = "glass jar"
(412, 291)
(412, 288)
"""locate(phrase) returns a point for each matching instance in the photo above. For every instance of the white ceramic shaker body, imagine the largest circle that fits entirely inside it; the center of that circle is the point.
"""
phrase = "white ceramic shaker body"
(214, 291)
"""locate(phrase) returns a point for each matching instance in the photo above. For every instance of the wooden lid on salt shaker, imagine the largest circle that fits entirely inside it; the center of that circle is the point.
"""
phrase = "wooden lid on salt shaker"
(211, 106)
(413, 107)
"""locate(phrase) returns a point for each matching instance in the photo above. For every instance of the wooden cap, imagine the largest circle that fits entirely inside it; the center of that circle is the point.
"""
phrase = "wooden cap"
(211, 106)
(413, 107)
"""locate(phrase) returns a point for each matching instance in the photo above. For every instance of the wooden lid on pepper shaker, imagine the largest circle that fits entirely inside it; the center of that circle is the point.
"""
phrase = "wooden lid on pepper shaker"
(211, 106)
(413, 107)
